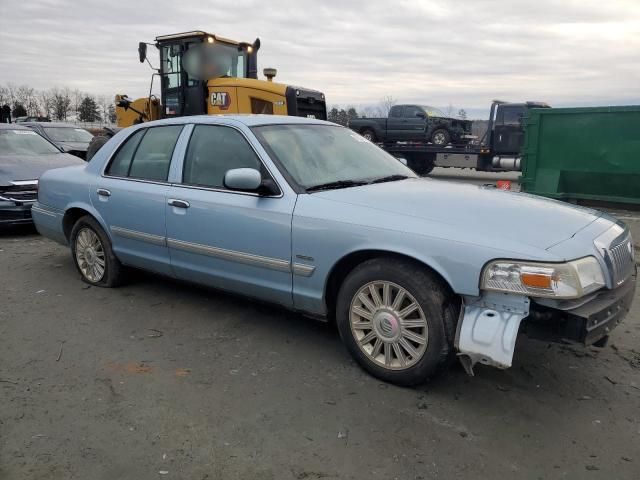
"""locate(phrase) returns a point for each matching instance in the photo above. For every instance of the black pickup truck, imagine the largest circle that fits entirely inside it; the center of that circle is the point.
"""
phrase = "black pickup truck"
(414, 123)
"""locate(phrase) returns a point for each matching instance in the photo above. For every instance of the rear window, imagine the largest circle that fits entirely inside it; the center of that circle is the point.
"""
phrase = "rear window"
(67, 134)
(24, 142)
(146, 154)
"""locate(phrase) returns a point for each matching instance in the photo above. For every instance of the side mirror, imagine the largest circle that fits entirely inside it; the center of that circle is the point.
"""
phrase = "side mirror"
(421, 115)
(142, 51)
(243, 179)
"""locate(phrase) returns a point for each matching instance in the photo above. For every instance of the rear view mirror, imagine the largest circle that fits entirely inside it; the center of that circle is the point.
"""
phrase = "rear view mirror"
(142, 51)
(243, 179)
(421, 115)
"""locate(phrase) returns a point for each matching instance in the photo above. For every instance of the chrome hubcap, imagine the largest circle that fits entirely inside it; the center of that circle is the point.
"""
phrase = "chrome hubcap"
(368, 136)
(438, 138)
(389, 325)
(90, 255)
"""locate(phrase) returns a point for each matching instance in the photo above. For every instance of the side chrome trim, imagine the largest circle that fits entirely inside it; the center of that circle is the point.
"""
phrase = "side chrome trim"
(303, 270)
(231, 255)
(43, 211)
(141, 236)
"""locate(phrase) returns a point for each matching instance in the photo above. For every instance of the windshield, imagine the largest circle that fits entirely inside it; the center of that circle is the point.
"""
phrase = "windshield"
(321, 154)
(202, 61)
(67, 134)
(24, 142)
(433, 111)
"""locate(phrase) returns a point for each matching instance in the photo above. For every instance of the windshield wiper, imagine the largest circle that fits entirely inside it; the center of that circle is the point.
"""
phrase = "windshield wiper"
(335, 185)
(390, 178)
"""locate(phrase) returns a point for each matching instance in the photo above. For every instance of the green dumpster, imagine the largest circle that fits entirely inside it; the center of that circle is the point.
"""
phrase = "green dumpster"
(588, 153)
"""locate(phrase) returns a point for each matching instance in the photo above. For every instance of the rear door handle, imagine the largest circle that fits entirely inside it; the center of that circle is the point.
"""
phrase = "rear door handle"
(174, 202)
(103, 192)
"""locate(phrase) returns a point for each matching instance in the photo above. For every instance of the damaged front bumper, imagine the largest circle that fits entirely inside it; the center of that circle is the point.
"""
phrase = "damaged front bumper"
(489, 324)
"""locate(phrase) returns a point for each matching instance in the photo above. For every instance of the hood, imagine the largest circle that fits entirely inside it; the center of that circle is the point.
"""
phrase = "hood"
(30, 167)
(487, 212)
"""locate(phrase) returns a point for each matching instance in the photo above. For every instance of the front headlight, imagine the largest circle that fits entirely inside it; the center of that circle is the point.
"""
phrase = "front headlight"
(555, 280)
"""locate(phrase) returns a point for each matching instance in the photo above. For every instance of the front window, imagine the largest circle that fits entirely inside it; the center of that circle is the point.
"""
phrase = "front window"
(170, 65)
(224, 60)
(213, 151)
(433, 111)
(316, 155)
(203, 61)
(24, 142)
(511, 115)
(65, 134)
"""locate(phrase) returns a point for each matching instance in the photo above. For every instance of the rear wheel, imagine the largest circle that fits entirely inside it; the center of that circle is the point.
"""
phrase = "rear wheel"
(92, 254)
(421, 167)
(440, 137)
(369, 134)
(397, 320)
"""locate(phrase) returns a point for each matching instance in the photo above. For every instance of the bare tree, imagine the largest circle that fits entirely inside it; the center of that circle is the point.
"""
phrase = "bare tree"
(22, 95)
(4, 95)
(11, 92)
(386, 103)
(76, 99)
(449, 111)
(104, 102)
(61, 98)
(370, 111)
(45, 100)
(462, 114)
(27, 97)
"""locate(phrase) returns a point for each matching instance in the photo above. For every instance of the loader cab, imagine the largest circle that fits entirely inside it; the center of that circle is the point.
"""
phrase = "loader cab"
(188, 60)
(508, 127)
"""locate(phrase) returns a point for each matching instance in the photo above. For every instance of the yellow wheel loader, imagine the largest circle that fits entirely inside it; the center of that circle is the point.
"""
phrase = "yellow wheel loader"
(204, 74)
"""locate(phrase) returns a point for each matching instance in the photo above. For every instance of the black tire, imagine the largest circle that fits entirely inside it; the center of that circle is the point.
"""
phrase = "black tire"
(96, 144)
(369, 134)
(440, 137)
(421, 167)
(113, 269)
(440, 309)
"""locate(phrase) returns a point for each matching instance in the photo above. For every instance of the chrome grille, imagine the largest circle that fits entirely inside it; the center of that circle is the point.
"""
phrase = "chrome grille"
(621, 260)
(24, 191)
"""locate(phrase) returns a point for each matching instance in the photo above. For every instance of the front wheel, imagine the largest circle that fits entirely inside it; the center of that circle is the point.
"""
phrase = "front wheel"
(92, 254)
(440, 137)
(397, 320)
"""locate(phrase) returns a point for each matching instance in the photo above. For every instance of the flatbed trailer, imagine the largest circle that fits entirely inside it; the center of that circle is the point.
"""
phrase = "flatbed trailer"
(499, 149)
(422, 158)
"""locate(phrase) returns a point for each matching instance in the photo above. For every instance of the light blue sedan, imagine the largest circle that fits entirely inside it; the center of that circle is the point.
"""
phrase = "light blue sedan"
(311, 216)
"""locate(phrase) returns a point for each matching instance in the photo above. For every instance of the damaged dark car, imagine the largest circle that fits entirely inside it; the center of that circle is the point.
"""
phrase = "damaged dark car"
(414, 123)
(69, 138)
(24, 156)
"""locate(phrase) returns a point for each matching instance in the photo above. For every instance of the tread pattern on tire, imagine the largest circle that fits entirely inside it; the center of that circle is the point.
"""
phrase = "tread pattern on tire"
(444, 304)
(114, 270)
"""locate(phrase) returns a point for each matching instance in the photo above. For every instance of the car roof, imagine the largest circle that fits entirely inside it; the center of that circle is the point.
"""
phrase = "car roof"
(248, 119)
(12, 126)
(51, 124)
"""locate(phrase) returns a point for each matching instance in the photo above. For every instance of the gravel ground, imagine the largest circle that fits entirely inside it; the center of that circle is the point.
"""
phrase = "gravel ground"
(160, 379)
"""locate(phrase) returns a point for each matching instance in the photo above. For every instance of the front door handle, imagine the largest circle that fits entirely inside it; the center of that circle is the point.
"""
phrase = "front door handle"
(174, 202)
(103, 192)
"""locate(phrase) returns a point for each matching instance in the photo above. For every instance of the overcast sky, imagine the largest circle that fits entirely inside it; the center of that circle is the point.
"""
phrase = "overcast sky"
(465, 53)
